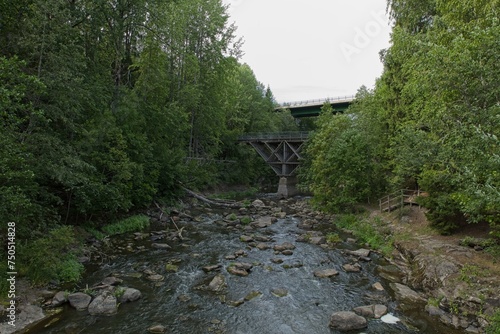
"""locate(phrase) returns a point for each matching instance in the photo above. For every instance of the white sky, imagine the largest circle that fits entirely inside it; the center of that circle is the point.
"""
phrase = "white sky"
(311, 49)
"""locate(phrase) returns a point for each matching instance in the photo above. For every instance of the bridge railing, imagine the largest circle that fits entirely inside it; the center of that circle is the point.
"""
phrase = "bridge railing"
(317, 101)
(300, 135)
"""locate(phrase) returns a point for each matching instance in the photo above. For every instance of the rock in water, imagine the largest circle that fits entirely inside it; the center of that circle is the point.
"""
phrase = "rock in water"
(79, 300)
(157, 329)
(130, 295)
(347, 321)
(103, 305)
(218, 283)
(326, 273)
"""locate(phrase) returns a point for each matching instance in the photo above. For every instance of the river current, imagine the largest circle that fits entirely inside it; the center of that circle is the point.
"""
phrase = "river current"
(182, 305)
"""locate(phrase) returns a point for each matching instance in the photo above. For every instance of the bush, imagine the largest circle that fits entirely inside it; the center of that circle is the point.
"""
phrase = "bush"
(366, 232)
(130, 224)
(52, 258)
(494, 327)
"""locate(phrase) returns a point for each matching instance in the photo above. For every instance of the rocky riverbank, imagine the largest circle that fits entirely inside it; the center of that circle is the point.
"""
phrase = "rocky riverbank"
(460, 284)
(457, 285)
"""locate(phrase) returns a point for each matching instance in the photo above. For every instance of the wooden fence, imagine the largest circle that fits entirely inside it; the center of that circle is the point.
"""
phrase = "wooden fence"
(398, 199)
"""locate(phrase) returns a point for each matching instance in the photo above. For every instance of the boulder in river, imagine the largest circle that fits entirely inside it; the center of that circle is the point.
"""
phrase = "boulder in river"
(279, 292)
(326, 273)
(371, 311)
(111, 280)
(360, 252)
(59, 298)
(208, 269)
(130, 295)
(284, 246)
(405, 294)
(239, 268)
(104, 304)
(218, 283)
(352, 268)
(258, 204)
(263, 222)
(161, 246)
(346, 321)
(79, 300)
(157, 329)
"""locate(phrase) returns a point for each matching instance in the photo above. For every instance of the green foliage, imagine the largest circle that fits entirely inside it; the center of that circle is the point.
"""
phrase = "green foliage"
(105, 108)
(494, 327)
(53, 257)
(469, 272)
(246, 220)
(438, 108)
(367, 231)
(130, 224)
(333, 238)
(343, 157)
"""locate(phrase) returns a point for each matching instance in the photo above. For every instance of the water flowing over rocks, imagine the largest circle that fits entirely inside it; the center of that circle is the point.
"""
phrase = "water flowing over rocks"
(214, 261)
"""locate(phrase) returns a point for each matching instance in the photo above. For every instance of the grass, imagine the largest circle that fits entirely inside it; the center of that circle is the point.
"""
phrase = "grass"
(368, 231)
(52, 258)
(494, 327)
(130, 224)
(246, 220)
(333, 238)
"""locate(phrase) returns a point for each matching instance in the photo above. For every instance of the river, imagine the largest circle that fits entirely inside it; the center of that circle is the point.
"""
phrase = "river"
(182, 303)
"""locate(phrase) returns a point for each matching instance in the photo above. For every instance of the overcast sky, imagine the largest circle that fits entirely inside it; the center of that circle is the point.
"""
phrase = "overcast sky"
(311, 49)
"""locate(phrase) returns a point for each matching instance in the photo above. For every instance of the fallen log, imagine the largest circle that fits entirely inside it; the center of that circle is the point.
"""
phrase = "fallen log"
(215, 202)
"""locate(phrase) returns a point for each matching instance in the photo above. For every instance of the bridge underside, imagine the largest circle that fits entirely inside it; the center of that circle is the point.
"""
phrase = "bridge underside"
(281, 151)
(282, 155)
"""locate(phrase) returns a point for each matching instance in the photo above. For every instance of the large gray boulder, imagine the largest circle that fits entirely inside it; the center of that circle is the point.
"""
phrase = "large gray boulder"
(104, 304)
(79, 300)
(371, 311)
(130, 295)
(59, 299)
(347, 321)
(218, 283)
(326, 273)
(404, 294)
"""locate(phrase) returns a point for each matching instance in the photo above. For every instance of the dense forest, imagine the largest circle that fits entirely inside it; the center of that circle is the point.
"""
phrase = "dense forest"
(432, 122)
(108, 106)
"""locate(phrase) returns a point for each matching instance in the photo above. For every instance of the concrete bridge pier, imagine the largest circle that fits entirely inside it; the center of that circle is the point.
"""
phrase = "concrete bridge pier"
(287, 186)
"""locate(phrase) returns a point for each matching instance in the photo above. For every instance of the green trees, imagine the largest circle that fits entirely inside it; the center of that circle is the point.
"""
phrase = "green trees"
(435, 110)
(107, 106)
(344, 156)
(448, 107)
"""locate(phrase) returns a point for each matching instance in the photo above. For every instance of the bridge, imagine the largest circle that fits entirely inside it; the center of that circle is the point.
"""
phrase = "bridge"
(282, 151)
(311, 108)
